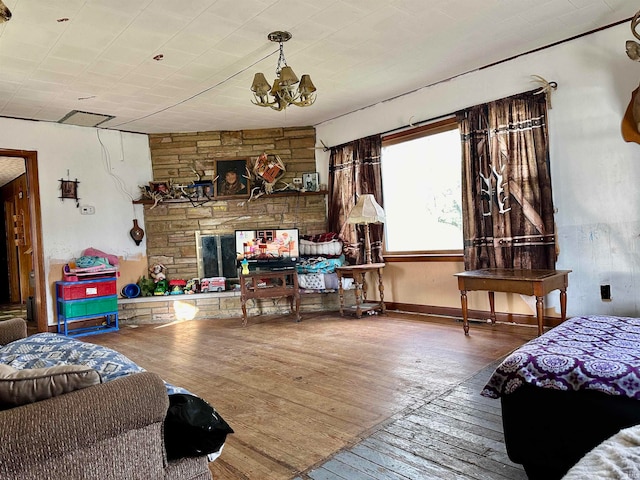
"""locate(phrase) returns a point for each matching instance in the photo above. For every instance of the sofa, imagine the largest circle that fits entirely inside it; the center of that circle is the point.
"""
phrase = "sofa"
(110, 430)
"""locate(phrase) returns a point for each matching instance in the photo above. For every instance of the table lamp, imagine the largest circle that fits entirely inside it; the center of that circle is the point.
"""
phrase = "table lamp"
(366, 212)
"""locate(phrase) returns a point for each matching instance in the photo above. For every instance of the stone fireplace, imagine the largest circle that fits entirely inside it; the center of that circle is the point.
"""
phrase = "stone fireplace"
(173, 228)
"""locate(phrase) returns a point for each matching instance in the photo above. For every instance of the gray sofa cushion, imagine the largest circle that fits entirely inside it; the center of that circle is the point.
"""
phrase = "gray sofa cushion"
(19, 387)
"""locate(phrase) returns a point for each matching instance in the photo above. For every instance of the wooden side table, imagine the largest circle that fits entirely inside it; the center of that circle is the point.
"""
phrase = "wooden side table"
(270, 284)
(512, 280)
(358, 272)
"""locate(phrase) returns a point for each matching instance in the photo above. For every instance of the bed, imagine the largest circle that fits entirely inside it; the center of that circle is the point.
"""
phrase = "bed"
(567, 391)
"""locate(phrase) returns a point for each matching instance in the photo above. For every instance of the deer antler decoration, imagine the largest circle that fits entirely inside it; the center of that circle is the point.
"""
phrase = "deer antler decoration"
(545, 87)
(633, 48)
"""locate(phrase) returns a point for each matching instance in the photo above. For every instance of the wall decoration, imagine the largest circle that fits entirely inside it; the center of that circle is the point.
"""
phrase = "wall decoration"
(311, 182)
(202, 189)
(69, 190)
(136, 233)
(159, 187)
(232, 178)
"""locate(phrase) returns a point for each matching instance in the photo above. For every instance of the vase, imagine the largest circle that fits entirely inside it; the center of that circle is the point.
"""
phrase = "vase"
(136, 232)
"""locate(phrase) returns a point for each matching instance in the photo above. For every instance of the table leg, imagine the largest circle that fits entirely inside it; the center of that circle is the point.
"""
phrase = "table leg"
(383, 308)
(341, 295)
(297, 300)
(465, 318)
(563, 303)
(492, 305)
(364, 286)
(358, 278)
(540, 314)
(244, 312)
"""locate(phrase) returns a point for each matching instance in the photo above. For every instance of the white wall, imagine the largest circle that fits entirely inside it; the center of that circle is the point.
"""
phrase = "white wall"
(78, 151)
(594, 172)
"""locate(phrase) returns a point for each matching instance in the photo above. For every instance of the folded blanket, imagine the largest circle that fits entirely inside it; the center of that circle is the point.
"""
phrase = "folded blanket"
(319, 264)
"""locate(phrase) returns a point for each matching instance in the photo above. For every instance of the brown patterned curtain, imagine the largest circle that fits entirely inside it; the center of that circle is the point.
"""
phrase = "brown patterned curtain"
(354, 169)
(507, 204)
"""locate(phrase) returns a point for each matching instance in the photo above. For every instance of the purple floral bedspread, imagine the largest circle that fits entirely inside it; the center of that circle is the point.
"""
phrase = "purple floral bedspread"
(583, 353)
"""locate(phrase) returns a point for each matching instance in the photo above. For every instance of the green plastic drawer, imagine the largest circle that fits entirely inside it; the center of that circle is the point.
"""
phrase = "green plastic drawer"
(83, 308)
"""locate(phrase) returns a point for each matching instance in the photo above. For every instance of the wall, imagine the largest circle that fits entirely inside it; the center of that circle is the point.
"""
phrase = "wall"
(594, 172)
(92, 156)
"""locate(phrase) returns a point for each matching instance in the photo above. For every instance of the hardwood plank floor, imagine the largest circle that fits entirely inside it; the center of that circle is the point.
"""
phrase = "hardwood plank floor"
(384, 395)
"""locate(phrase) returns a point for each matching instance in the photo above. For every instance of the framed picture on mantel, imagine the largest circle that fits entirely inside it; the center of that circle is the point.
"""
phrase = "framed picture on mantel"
(231, 178)
(310, 182)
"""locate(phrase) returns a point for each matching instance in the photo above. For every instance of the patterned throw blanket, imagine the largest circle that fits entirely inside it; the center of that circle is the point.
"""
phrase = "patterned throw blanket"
(583, 353)
(50, 349)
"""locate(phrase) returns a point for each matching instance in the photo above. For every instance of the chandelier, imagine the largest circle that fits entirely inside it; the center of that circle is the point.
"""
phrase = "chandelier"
(286, 90)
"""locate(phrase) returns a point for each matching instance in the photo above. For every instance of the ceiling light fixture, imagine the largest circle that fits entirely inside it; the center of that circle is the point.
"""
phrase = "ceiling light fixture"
(284, 91)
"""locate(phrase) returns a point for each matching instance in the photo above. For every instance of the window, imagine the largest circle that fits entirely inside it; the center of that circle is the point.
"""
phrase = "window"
(421, 184)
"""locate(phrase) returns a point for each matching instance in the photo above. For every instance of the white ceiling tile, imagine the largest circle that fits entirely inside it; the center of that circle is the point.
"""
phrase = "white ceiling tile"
(358, 52)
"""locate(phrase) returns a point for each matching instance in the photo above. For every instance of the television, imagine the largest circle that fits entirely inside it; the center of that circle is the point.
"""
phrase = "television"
(268, 248)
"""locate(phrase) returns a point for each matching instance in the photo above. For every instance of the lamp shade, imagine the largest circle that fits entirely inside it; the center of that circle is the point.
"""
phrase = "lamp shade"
(260, 84)
(366, 211)
(287, 77)
(306, 85)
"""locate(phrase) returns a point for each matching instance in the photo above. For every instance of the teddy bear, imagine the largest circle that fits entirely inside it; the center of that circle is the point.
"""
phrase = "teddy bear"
(157, 272)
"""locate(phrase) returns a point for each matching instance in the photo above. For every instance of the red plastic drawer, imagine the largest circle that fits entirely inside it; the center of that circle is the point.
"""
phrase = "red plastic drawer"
(79, 290)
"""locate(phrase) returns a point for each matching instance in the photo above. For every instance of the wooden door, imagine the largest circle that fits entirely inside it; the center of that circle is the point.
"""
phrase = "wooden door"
(13, 271)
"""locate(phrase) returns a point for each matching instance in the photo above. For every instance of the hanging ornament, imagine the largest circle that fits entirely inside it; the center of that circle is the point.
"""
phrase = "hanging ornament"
(136, 232)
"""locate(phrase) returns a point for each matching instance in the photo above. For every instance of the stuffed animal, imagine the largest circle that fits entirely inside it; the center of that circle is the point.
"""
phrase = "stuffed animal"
(157, 272)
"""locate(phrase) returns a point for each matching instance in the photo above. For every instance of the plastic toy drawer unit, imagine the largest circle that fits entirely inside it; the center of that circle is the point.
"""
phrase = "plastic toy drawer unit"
(86, 289)
(82, 308)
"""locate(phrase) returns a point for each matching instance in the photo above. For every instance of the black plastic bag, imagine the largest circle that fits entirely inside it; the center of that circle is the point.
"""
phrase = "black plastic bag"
(192, 427)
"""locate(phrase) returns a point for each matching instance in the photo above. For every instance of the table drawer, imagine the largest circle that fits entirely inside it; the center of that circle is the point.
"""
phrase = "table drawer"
(82, 308)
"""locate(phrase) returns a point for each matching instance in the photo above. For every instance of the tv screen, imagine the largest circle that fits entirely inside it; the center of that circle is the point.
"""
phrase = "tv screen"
(268, 248)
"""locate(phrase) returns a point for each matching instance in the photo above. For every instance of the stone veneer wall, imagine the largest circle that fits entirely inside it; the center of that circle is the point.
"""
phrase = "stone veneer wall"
(170, 227)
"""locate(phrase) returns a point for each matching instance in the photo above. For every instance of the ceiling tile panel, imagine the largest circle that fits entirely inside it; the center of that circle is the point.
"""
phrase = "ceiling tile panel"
(358, 53)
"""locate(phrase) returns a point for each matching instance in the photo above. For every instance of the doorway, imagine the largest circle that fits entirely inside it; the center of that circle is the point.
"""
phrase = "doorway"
(23, 239)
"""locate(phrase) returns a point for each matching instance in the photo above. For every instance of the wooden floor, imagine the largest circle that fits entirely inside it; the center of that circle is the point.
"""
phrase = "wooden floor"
(329, 397)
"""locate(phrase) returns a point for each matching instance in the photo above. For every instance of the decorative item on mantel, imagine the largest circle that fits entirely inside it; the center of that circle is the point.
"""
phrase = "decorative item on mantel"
(159, 191)
(269, 171)
(137, 233)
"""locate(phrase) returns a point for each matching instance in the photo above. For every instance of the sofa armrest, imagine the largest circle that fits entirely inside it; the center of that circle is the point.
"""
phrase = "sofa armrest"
(13, 329)
(76, 420)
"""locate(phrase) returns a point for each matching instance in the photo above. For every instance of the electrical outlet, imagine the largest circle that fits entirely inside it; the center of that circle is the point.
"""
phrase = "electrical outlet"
(605, 292)
(87, 210)
(297, 181)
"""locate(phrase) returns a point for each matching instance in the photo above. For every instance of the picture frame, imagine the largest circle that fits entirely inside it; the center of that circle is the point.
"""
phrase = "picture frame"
(230, 180)
(311, 182)
(203, 189)
(69, 189)
(159, 187)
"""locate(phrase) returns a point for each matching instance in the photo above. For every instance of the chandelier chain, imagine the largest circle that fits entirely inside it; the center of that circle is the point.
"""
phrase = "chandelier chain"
(282, 62)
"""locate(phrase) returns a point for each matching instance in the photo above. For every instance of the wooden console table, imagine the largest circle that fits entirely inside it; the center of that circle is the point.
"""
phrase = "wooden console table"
(509, 280)
(270, 284)
(357, 272)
